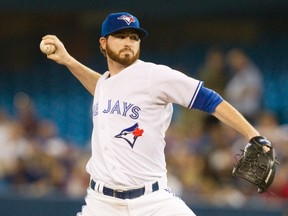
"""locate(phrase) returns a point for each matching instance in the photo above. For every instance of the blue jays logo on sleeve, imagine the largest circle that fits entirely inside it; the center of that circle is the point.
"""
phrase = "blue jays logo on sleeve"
(127, 19)
(131, 134)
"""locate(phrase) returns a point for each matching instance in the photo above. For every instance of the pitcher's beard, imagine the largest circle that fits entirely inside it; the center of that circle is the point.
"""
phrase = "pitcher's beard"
(127, 60)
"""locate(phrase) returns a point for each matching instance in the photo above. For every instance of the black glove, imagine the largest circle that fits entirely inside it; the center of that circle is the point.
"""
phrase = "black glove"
(257, 165)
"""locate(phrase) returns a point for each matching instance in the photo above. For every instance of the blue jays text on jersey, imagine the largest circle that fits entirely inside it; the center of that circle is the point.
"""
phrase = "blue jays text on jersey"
(118, 107)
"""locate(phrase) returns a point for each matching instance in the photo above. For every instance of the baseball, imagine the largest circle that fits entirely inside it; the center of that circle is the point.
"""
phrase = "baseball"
(47, 48)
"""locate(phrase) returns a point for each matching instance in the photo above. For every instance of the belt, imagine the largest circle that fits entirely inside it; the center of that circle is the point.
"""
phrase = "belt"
(124, 194)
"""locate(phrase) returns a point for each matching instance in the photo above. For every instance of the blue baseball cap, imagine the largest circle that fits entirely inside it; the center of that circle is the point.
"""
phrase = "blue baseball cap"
(123, 20)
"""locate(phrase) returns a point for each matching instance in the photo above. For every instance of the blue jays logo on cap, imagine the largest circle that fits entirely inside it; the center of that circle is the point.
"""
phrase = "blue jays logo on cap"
(119, 21)
(130, 134)
(127, 19)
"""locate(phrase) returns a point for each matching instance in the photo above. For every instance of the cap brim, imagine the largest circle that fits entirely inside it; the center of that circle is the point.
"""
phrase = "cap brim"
(142, 32)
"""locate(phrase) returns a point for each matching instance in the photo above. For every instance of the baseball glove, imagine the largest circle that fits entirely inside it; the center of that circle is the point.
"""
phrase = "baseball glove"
(257, 165)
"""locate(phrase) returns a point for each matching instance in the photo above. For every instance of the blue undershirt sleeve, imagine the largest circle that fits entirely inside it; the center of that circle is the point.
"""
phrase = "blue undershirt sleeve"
(207, 100)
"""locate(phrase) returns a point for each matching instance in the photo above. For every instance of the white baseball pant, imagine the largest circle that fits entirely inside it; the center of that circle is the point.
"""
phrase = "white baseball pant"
(158, 203)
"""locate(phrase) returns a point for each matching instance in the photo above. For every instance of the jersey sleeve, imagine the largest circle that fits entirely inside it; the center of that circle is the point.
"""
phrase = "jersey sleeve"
(171, 86)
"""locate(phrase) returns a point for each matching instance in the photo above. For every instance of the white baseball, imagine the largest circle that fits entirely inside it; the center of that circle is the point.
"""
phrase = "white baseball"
(47, 48)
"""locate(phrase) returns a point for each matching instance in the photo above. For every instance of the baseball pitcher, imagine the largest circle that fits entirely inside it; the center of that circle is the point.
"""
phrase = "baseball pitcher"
(132, 109)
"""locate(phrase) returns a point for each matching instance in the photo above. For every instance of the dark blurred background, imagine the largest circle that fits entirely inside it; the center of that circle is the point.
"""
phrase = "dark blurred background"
(46, 113)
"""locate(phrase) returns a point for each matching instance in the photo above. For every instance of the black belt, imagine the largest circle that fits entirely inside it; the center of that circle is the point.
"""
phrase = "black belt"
(124, 194)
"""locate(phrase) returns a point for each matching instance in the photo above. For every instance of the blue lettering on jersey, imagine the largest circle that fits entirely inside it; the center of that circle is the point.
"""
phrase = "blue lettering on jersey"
(116, 108)
(126, 107)
(119, 108)
(95, 109)
(135, 110)
(107, 110)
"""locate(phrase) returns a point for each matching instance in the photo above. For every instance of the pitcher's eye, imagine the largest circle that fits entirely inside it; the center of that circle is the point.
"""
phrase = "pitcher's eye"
(134, 37)
(120, 36)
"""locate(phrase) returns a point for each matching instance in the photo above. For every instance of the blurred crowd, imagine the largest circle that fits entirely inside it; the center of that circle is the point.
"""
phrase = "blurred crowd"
(34, 160)
(201, 152)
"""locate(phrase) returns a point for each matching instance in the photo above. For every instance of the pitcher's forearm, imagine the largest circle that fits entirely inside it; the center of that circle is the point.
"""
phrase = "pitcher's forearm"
(85, 75)
(230, 116)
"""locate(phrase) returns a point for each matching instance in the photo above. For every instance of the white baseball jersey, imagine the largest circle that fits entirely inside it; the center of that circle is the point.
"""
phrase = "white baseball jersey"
(131, 113)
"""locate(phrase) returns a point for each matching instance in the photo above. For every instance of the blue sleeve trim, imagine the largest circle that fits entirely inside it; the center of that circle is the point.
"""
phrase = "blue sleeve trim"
(206, 100)
(195, 94)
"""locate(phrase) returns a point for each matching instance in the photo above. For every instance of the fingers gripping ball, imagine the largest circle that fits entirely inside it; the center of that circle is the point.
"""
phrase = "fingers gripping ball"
(47, 48)
(257, 165)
